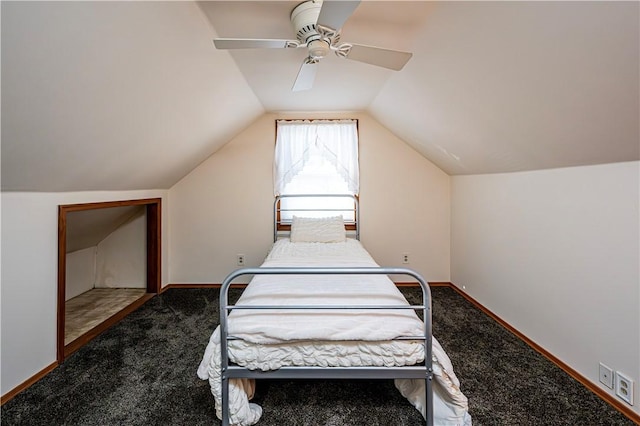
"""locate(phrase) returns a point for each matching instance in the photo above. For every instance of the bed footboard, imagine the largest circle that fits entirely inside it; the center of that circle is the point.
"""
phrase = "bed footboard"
(230, 371)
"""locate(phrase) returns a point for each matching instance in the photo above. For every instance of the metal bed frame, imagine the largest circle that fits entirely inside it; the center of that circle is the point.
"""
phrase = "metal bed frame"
(229, 370)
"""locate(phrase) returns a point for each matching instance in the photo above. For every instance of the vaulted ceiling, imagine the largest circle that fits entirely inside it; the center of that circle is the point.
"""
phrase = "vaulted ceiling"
(133, 95)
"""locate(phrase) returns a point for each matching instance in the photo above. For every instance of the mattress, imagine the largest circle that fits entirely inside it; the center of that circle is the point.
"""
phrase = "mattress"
(328, 338)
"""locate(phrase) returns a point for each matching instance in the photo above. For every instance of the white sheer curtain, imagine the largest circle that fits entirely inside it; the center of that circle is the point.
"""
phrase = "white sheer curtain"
(298, 141)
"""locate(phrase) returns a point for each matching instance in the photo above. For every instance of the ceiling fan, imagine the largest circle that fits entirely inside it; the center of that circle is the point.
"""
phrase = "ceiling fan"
(317, 25)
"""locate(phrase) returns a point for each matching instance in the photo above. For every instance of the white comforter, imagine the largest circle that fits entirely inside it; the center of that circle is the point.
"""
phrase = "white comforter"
(327, 338)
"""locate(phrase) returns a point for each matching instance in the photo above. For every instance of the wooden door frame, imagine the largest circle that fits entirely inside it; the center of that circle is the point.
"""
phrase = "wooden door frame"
(154, 255)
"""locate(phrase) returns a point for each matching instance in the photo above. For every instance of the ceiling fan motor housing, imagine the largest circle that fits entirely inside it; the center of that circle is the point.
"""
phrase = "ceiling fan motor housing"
(304, 18)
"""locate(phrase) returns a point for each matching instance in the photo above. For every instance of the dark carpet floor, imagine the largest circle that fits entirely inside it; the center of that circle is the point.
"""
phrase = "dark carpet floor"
(142, 372)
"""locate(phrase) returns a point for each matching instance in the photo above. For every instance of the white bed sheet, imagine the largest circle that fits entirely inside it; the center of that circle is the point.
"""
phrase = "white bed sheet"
(327, 338)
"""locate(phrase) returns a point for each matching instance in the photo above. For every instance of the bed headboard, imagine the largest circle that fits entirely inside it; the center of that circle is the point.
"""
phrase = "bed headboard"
(315, 205)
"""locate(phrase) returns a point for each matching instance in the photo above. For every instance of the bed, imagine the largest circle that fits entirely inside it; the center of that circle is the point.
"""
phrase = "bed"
(319, 307)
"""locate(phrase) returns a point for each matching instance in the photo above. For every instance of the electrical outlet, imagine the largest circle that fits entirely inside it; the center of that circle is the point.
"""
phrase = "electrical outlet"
(624, 388)
(606, 376)
(405, 258)
(240, 260)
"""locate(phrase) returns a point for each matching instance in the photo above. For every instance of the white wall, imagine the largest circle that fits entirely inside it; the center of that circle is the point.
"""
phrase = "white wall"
(29, 276)
(121, 260)
(405, 204)
(80, 272)
(224, 207)
(555, 253)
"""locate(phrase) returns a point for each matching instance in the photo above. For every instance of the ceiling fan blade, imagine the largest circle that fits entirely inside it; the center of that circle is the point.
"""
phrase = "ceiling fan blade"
(334, 14)
(306, 76)
(250, 43)
(386, 58)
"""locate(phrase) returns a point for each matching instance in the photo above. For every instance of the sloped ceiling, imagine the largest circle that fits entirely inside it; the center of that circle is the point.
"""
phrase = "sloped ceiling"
(133, 95)
(113, 95)
(509, 86)
(87, 228)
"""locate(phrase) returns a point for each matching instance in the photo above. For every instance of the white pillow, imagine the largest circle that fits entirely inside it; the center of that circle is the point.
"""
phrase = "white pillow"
(318, 230)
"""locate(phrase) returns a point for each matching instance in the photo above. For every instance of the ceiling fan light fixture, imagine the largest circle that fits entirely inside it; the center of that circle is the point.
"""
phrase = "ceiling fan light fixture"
(318, 49)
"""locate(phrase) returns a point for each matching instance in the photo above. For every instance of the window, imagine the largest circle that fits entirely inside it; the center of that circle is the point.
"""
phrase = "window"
(316, 157)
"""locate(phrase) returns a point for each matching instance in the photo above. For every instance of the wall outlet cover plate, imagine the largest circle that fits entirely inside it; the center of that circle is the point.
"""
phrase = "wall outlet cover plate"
(624, 388)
